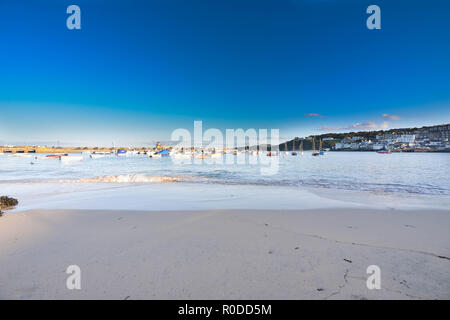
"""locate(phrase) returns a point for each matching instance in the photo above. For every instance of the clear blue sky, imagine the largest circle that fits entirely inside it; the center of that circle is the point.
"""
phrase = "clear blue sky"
(139, 69)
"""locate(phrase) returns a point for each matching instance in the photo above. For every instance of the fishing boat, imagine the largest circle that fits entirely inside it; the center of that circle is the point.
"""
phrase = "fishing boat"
(384, 151)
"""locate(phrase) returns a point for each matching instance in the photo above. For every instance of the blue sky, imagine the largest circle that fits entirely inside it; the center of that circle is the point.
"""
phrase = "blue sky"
(137, 70)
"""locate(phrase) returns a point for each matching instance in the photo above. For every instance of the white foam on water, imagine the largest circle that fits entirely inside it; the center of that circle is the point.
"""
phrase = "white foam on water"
(125, 178)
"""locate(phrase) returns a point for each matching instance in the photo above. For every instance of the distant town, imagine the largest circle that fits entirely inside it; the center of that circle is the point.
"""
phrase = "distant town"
(424, 139)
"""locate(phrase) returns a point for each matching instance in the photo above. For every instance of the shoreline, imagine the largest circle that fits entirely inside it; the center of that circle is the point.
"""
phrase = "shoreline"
(226, 254)
(195, 196)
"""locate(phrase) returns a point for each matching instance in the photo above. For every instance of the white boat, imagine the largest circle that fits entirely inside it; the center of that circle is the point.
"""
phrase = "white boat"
(121, 152)
(71, 158)
(20, 155)
(97, 156)
(154, 155)
(202, 156)
(182, 155)
(102, 153)
(216, 155)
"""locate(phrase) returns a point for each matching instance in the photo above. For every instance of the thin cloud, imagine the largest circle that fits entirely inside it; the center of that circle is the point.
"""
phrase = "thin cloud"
(331, 128)
(370, 125)
(313, 115)
(365, 126)
(386, 116)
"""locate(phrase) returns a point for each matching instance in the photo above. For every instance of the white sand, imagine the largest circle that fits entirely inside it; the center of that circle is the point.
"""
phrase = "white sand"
(229, 254)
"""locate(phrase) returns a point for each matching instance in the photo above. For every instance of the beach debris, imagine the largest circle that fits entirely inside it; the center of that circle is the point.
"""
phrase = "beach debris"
(347, 260)
(405, 283)
(320, 289)
(296, 248)
(7, 203)
(126, 298)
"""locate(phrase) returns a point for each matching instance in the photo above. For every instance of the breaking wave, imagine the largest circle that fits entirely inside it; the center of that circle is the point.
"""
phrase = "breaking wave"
(126, 178)
(224, 178)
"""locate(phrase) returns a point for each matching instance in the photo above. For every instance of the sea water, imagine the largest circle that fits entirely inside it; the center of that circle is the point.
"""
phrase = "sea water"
(403, 174)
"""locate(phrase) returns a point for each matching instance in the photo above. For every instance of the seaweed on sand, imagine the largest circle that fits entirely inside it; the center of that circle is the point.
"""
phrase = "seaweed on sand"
(7, 203)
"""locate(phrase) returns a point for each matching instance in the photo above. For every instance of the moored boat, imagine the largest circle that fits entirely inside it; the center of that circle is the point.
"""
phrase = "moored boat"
(321, 152)
(56, 156)
(216, 155)
(70, 158)
(164, 152)
(121, 152)
(202, 156)
(293, 148)
(154, 155)
(314, 153)
(96, 156)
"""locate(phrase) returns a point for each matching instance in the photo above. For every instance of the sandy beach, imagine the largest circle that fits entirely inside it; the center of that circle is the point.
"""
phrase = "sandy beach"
(225, 254)
(225, 150)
